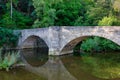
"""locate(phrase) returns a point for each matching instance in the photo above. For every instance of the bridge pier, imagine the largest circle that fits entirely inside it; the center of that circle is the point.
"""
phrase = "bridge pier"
(58, 53)
(53, 52)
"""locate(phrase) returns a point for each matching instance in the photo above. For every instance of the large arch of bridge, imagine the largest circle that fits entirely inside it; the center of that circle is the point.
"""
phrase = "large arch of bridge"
(70, 44)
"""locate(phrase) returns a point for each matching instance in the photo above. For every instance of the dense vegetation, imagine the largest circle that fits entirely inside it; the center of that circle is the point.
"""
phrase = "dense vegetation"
(8, 38)
(98, 44)
(20, 14)
(16, 14)
(8, 60)
(76, 12)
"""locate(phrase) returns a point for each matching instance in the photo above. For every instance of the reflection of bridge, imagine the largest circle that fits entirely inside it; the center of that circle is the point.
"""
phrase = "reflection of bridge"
(61, 40)
(53, 69)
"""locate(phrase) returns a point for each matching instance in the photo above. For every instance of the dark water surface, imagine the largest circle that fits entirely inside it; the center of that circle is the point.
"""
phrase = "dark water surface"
(43, 67)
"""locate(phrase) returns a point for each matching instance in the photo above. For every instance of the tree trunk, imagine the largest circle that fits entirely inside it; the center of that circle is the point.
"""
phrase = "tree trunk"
(11, 9)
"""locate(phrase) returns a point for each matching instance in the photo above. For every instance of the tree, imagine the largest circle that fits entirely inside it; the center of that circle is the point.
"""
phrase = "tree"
(116, 5)
(96, 12)
(60, 12)
(8, 37)
(13, 18)
(107, 21)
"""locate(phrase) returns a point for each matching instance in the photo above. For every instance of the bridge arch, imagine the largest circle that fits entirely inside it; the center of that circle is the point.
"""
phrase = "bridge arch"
(31, 41)
(33, 50)
(71, 43)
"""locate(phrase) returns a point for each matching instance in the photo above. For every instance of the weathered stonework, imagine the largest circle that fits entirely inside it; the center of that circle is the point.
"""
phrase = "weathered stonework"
(62, 40)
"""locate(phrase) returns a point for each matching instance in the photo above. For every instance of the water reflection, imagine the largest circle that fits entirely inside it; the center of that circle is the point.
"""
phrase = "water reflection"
(35, 56)
(61, 68)
(75, 66)
(37, 62)
(40, 66)
(53, 69)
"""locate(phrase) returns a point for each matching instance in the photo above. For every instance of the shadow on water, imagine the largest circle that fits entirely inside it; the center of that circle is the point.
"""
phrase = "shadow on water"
(35, 56)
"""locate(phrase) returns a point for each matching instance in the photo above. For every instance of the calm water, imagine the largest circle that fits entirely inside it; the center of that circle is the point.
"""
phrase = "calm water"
(42, 67)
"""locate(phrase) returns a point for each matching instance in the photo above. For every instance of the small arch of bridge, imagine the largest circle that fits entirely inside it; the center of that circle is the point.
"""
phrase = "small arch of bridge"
(33, 48)
(33, 41)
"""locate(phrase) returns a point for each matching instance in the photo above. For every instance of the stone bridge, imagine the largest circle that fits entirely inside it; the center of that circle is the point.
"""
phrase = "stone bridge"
(62, 39)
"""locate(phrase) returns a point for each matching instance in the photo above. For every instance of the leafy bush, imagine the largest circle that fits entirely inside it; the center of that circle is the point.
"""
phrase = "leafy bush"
(18, 21)
(8, 60)
(7, 37)
(97, 44)
(107, 21)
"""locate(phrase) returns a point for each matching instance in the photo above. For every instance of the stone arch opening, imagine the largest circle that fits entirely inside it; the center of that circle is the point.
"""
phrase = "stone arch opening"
(34, 50)
(68, 48)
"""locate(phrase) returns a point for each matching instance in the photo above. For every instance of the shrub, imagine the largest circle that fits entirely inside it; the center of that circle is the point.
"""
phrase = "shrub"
(97, 44)
(8, 60)
(7, 37)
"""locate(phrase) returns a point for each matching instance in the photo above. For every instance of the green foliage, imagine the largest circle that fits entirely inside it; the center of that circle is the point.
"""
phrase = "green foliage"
(109, 45)
(8, 38)
(91, 44)
(97, 11)
(107, 21)
(60, 12)
(116, 5)
(8, 60)
(97, 44)
(18, 21)
(7, 21)
(75, 12)
(45, 13)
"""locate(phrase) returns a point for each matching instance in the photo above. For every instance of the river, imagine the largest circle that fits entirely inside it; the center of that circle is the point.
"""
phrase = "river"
(39, 67)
